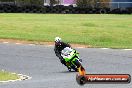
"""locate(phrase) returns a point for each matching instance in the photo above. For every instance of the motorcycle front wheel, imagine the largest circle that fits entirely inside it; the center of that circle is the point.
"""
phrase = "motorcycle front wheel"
(77, 65)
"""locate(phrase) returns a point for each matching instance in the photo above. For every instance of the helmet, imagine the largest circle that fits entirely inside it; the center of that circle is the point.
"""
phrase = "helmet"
(57, 39)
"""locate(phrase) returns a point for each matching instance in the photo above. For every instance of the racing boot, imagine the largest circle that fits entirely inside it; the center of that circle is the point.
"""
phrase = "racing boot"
(69, 69)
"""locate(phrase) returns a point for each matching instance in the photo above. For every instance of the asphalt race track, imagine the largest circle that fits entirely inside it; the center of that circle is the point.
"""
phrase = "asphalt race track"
(40, 63)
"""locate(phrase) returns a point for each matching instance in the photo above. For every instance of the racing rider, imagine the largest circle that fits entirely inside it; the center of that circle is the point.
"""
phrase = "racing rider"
(59, 46)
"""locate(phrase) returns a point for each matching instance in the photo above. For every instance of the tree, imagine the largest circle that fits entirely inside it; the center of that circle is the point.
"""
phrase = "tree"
(92, 3)
(104, 3)
(7, 0)
(86, 3)
(30, 2)
(52, 2)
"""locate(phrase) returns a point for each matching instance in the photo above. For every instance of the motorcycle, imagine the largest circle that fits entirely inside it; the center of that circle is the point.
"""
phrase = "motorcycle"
(71, 57)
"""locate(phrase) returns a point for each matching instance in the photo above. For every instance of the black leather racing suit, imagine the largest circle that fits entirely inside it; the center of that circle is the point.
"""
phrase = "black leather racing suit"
(58, 48)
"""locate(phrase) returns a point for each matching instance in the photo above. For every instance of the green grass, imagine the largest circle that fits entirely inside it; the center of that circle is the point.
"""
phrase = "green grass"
(97, 30)
(5, 76)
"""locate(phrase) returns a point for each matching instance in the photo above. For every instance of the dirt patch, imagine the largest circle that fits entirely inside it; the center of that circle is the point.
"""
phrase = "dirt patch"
(38, 43)
(26, 42)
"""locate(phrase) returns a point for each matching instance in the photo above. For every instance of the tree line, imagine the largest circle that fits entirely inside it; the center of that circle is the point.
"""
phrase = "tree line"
(80, 3)
(36, 2)
(92, 3)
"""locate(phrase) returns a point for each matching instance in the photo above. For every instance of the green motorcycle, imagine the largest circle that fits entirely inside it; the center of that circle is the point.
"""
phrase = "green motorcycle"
(71, 57)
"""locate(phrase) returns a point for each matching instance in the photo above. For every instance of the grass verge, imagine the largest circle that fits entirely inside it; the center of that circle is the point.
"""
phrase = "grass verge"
(5, 76)
(96, 30)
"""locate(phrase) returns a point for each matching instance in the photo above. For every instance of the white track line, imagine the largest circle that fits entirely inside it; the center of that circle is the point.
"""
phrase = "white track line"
(31, 44)
(104, 48)
(5, 42)
(18, 43)
(127, 49)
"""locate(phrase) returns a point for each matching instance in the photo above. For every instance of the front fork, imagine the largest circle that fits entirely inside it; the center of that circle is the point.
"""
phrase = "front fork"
(77, 62)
